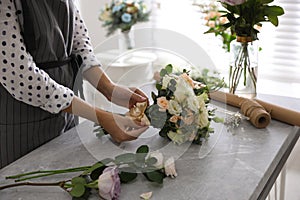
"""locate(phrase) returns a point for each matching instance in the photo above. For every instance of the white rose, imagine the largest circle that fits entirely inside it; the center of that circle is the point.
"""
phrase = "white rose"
(174, 107)
(193, 103)
(183, 90)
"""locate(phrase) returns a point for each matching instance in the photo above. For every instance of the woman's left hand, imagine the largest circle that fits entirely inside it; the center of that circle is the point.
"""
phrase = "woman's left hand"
(127, 97)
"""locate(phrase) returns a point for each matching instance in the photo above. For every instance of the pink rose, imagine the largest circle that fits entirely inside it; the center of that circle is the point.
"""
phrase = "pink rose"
(109, 184)
(233, 2)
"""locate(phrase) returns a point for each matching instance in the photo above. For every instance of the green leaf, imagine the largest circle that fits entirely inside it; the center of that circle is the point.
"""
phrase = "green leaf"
(141, 154)
(155, 176)
(107, 161)
(169, 68)
(78, 190)
(143, 149)
(125, 158)
(85, 196)
(266, 1)
(78, 180)
(151, 161)
(126, 176)
(95, 166)
(156, 117)
(163, 72)
(97, 172)
(273, 20)
(158, 87)
(273, 10)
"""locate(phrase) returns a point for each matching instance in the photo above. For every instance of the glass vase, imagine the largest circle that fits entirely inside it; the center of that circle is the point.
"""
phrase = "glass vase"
(243, 67)
(126, 40)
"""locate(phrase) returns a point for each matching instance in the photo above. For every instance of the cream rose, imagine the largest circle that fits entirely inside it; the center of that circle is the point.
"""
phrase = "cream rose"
(193, 103)
(174, 107)
(183, 90)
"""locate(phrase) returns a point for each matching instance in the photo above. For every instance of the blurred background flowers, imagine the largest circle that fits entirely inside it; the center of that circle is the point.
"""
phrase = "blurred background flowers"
(123, 14)
(214, 19)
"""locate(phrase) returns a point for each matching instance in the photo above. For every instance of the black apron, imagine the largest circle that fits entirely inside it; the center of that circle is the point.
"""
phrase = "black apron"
(47, 27)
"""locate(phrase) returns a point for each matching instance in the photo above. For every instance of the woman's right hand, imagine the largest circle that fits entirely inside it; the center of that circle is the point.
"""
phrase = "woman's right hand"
(120, 128)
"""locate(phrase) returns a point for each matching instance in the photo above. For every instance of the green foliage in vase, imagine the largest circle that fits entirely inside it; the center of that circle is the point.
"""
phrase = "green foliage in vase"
(245, 16)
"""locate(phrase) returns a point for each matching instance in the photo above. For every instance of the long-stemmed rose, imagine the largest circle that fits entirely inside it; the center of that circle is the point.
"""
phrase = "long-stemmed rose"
(105, 176)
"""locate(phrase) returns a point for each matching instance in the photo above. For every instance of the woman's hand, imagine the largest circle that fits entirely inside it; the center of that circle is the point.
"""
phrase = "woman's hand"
(122, 96)
(127, 97)
(119, 127)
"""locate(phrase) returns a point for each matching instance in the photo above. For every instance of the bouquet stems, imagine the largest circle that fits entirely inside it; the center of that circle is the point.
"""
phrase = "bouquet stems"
(43, 173)
(241, 66)
(60, 184)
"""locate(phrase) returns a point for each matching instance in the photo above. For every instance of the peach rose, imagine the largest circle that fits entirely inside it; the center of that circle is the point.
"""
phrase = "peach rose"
(174, 118)
(163, 103)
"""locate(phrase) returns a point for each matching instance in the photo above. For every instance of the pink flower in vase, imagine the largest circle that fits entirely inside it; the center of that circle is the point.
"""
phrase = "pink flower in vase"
(233, 2)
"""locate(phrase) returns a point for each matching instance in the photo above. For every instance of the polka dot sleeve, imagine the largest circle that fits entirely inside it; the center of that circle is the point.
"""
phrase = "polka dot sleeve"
(82, 44)
(18, 73)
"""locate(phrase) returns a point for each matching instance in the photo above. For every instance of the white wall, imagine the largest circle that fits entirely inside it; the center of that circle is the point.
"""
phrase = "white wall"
(90, 10)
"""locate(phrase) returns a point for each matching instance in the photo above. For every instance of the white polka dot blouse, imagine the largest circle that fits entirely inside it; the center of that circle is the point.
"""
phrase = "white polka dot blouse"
(20, 75)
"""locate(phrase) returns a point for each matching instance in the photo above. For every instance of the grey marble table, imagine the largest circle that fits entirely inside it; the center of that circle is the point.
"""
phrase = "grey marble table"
(238, 165)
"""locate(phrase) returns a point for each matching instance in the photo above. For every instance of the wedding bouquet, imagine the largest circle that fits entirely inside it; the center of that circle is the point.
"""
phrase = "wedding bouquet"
(180, 109)
(123, 14)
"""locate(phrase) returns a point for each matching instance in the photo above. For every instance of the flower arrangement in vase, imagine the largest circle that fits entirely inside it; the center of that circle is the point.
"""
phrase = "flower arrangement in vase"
(122, 15)
(245, 18)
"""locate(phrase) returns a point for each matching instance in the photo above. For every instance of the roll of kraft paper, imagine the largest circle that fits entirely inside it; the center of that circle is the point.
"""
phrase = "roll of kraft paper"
(281, 114)
(276, 112)
(257, 114)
